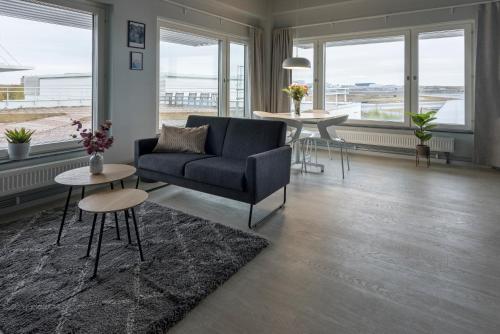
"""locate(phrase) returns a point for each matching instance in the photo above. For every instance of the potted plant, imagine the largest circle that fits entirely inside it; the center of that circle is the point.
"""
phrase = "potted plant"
(297, 93)
(423, 122)
(19, 143)
(95, 143)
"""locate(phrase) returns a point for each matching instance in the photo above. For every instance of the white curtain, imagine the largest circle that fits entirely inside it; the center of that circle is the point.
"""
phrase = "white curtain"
(280, 78)
(258, 87)
(487, 120)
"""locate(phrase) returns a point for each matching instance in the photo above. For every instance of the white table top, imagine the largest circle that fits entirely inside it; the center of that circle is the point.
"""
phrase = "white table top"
(312, 116)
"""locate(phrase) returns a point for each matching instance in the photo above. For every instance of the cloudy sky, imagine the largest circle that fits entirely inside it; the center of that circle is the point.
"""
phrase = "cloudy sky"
(49, 48)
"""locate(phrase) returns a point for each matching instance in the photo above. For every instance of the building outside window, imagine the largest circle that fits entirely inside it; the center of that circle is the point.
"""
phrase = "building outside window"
(46, 70)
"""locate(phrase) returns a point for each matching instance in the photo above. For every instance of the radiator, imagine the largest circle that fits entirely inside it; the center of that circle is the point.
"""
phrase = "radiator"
(437, 144)
(28, 178)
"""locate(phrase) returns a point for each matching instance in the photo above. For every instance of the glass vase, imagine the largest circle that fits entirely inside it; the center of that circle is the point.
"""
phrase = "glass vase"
(297, 104)
(96, 163)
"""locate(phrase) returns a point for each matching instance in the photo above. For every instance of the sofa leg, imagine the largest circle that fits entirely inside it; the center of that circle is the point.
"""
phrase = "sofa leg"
(251, 226)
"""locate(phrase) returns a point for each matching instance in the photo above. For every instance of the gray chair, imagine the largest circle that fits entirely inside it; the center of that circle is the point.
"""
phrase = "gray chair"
(179, 99)
(204, 99)
(192, 99)
(169, 98)
(328, 134)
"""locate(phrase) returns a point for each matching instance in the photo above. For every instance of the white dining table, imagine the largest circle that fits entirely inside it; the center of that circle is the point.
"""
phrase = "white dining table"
(307, 117)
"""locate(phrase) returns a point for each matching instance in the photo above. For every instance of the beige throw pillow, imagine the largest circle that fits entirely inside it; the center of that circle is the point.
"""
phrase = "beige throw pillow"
(185, 140)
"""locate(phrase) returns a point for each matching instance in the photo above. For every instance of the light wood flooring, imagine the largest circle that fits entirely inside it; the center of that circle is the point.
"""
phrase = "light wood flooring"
(391, 249)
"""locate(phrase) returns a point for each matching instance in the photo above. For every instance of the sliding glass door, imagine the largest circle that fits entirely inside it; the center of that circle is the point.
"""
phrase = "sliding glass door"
(188, 78)
(200, 74)
(237, 79)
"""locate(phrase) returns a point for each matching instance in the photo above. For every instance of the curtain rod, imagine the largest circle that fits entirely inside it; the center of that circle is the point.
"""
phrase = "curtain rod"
(392, 14)
(220, 17)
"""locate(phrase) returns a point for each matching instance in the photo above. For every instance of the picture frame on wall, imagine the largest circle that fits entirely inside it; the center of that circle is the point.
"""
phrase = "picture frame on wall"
(136, 61)
(136, 35)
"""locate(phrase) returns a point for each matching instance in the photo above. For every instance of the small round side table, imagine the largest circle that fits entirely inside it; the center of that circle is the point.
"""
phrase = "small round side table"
(81, 177)
(113, 201)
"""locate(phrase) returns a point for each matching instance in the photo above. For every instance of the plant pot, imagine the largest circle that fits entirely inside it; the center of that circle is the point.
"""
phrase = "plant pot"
(423, 150)
(19, 151)
(297, 104)
(96, 163)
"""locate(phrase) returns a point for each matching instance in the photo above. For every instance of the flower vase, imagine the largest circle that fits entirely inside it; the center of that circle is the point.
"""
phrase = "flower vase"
(297, 104)
(96, 163)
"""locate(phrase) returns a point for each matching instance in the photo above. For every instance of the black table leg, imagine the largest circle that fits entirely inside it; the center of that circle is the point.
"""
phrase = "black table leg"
(83, 195)
(91, 235)
(99, 245)
(121, 182)
(117, 227)
(112, 186)
(64, 215)
(128, 228)
(137, 234)
(137, 183)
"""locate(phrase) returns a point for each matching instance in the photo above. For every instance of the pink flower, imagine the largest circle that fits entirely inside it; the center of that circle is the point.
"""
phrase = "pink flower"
(97, 141)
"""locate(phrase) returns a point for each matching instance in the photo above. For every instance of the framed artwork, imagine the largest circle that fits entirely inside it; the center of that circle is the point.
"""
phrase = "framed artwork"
(136, 35)
(136, 61)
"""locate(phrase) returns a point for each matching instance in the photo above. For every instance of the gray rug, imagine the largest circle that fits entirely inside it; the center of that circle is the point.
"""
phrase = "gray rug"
(47, 289)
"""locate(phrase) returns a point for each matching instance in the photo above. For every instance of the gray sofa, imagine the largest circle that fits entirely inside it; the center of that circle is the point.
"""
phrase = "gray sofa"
(246, 160)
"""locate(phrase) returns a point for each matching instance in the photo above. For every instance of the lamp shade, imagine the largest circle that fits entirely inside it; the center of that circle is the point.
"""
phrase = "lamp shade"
(296, 63)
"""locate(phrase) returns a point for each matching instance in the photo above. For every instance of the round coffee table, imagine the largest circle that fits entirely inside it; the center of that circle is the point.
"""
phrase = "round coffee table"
(113, 201)
(81, 177)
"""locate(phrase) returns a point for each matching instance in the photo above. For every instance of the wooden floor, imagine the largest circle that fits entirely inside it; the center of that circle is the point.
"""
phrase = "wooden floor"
(392, 249)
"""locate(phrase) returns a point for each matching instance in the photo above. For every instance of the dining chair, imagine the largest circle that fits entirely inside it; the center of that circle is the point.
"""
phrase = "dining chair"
(294, 137)
(328, 134)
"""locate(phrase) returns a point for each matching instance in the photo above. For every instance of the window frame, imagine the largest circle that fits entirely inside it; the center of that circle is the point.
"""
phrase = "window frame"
(411, 68)
(100, 95)
(224, 63)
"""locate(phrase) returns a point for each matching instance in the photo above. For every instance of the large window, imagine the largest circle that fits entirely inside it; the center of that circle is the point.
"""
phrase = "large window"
(201, 73)
(189, 76)
(46, 70)
(237, 80)
(377, 78)
(365, 78)
(305, 76)
(441, 76)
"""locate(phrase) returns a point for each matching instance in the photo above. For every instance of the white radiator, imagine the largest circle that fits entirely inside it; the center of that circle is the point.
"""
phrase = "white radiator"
(32, 177)
(437, 144)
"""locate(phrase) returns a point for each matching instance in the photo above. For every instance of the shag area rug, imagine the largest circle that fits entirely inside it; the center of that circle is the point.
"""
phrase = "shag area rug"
(48, 289)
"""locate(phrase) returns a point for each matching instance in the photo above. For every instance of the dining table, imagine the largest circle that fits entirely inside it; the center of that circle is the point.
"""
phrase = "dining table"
(311, 117)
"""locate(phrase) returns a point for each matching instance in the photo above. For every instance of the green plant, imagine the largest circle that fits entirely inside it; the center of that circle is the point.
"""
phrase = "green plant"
(19, 136)
(423, 122)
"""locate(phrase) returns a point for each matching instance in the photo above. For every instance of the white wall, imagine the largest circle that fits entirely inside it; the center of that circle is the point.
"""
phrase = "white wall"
(132, 105)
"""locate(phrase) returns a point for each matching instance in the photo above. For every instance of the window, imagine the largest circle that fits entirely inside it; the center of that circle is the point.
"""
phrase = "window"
(237, 80)
(305, 76)
(365, 78)
(441, 75)
(189, 76)
(377, 78)
(201, 73)
(46, 70)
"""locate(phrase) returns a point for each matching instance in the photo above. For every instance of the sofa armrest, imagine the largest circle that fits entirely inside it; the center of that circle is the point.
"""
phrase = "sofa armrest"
(267, 172)
(143, 146)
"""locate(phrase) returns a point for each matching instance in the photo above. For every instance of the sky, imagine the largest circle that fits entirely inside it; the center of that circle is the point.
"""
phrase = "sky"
(441, 62)
(49, 48)
(55, 49)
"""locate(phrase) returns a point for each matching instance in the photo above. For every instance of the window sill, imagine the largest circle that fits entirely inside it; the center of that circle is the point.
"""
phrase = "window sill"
(40, 158)
(404, 128)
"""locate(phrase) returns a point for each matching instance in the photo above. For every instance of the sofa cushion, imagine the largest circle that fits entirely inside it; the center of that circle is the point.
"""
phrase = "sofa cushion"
(182, 140)
(216, 131)
(218, 171)
(169, 163)
(247, 137)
